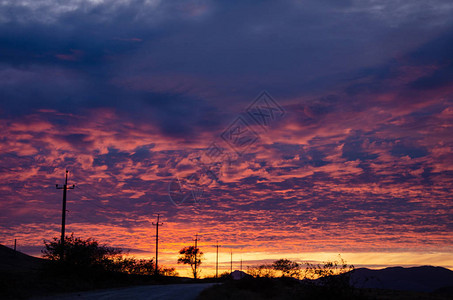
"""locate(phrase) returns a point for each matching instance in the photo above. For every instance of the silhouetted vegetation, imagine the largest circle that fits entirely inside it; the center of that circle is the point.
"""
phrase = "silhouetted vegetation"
(286, 279)
(329, 280)
(191, 256)
(334, 275)
(82, 253)
(87, 265)
(287, 267)
(261, 271)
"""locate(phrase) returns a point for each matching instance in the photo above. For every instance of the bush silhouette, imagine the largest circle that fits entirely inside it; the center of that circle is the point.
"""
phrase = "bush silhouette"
(287, 267)
(80, 252)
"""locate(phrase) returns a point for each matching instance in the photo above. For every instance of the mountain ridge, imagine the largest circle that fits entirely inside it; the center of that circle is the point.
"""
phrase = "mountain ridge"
(420, 279)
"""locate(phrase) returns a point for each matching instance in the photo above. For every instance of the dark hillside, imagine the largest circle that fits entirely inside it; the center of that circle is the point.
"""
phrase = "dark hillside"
(15, 261)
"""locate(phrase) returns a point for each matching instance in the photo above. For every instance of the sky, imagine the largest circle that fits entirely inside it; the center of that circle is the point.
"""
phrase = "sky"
(279, 129)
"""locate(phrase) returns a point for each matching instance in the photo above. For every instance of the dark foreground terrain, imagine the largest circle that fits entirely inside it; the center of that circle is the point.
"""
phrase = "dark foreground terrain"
(390, 283)
(278, 289)
(23, 277)
(148, 292)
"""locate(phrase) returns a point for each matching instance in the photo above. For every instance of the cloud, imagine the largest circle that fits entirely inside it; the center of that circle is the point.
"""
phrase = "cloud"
(129, 96)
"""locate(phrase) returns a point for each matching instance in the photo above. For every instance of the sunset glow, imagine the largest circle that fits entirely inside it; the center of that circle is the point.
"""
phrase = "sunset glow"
(347, 109)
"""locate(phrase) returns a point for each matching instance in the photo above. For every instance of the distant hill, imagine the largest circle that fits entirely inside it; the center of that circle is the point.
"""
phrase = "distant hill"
(420, 279)
(15, 261)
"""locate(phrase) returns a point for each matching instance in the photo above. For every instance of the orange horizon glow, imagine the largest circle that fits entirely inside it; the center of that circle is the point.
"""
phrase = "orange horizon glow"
(251, 255)
(372, 260)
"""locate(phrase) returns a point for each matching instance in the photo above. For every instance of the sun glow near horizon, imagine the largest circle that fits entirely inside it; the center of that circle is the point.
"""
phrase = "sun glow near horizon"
(372, 260)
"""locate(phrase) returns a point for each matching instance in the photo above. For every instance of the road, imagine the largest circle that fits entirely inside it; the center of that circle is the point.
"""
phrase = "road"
(148, 292)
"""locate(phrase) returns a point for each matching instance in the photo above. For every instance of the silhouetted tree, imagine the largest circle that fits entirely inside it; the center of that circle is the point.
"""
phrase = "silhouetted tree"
(191, 256)
(287, 267)
(81, 252)
(329, 268)
(164, 271)
(130, 265)
(265, 270)
(331, 274)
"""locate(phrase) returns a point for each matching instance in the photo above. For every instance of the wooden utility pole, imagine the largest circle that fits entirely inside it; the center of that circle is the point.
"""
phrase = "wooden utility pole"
(241, 263)
(217, 261)
(241, 267)
(231, 261)
(157, 224)
(63, 212)
(196, 254)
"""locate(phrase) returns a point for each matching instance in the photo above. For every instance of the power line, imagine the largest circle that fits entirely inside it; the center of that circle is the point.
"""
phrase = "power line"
(78, 214)
(63, 212)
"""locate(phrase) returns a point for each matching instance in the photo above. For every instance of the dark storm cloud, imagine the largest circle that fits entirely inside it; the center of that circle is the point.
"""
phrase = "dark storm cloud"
(67, 63)
(288, 46)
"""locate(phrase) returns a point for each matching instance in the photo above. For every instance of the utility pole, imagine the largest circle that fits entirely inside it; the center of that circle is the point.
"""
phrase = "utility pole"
(231, 261)
(241, 264)
(241, 267)
(196, 254)
(217, 261)
(63, 212)
(15, 241)
(157, 224)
